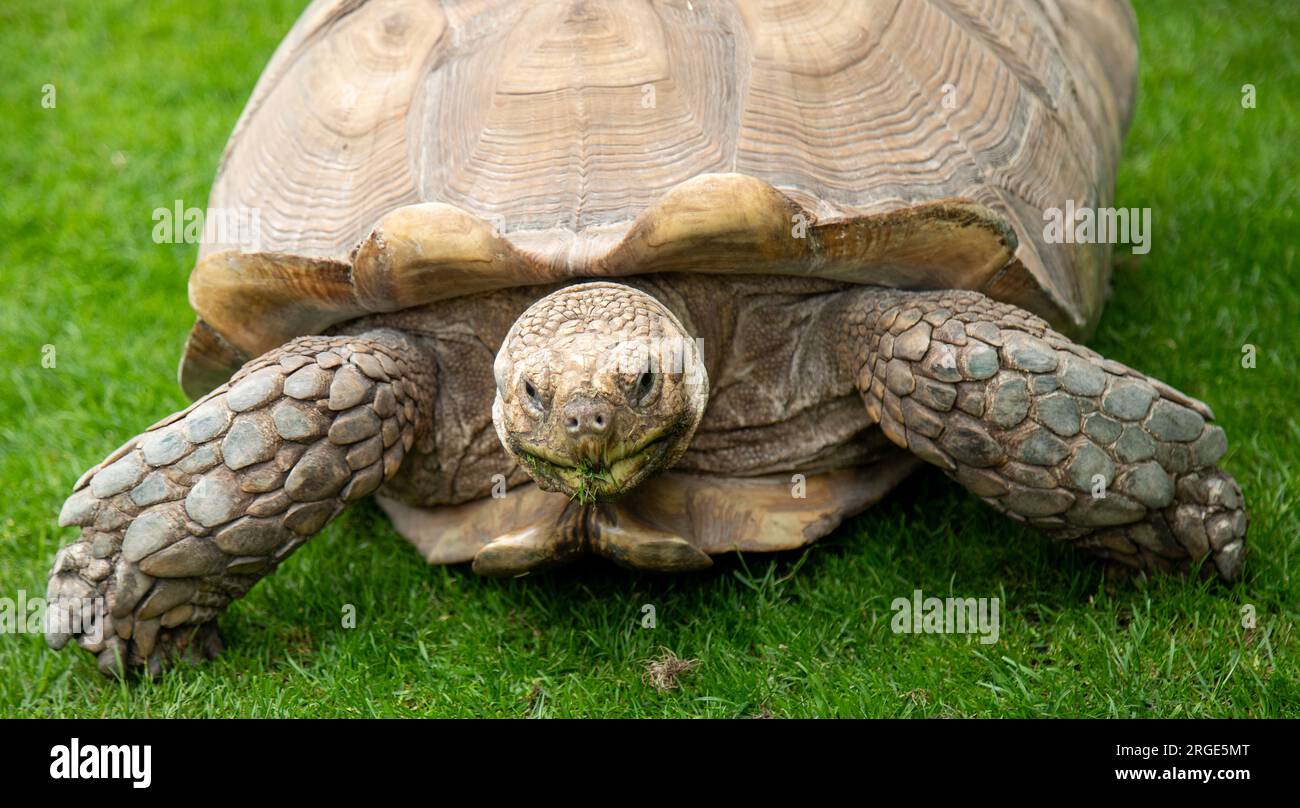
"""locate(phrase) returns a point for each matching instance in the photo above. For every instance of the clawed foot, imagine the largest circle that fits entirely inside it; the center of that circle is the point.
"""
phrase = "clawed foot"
(122, 645)
(1206, 522)
(1051, 433)
(188, 516)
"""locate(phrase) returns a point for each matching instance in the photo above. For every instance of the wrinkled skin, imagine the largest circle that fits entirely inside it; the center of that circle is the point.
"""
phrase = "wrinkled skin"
(598, 387)
(1007, 407)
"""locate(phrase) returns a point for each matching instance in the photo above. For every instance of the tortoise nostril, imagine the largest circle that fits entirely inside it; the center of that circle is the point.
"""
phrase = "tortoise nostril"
(587, 417)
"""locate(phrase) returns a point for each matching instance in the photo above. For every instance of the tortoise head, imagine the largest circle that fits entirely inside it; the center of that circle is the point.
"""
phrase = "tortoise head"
(599, 387)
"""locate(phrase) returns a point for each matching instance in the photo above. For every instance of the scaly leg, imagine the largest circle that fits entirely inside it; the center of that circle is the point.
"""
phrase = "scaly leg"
(1048, 431)
(189, 515)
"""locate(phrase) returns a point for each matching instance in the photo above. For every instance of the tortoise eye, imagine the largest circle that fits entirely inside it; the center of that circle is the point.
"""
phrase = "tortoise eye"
(644, 386)
(533, 398)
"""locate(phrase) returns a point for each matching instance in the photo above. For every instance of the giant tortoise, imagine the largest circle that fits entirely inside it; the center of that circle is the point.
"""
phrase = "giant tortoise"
(654, 280)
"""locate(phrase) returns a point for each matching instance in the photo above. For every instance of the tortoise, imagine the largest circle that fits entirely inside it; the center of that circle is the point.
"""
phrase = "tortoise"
(654, 280)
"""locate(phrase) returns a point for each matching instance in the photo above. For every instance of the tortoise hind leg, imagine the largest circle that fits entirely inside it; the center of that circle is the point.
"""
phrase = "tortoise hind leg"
(189, 515)
(1047, 431)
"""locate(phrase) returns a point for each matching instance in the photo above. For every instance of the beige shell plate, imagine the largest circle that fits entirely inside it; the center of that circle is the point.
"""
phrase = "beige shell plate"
(471, 144)
(713, 514)
(425, 253)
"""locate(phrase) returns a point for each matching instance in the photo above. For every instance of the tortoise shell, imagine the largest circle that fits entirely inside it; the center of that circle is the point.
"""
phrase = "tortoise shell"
(399, 152)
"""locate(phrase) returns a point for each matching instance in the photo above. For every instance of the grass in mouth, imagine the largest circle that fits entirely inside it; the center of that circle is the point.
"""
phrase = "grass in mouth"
(590, 476)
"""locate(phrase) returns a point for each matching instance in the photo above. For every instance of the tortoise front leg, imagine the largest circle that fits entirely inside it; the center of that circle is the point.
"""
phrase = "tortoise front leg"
(189, 515)
(1047, 431)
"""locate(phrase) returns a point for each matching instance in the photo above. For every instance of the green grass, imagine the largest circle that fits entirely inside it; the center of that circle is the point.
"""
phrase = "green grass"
(146, 96)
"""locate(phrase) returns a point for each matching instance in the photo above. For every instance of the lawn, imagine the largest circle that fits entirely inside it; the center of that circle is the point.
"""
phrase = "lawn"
(145, 97)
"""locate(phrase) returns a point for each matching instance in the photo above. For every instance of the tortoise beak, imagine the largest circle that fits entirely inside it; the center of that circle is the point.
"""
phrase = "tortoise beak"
(588, 424)
(606, 471)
